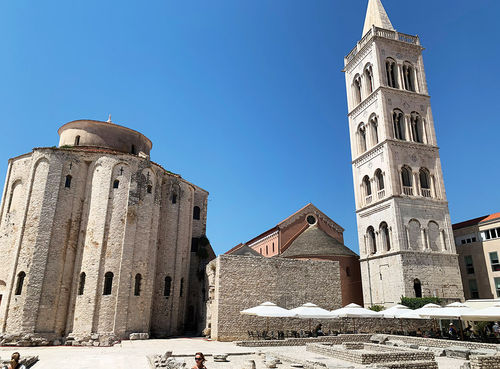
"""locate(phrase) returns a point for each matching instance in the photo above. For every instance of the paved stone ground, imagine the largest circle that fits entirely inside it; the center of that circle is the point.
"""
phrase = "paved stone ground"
(132, 355)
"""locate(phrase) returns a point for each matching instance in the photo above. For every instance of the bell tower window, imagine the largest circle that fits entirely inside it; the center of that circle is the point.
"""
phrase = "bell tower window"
(409, 77)
(391, 70)
(399, 124)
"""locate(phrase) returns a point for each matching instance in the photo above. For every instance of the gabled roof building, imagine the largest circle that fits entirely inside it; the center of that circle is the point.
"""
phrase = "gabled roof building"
(309, 234)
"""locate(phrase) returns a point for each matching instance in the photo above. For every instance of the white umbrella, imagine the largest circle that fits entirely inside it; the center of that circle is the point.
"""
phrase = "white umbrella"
(427, 309)
(268, 310)
(395, 311)
(486, 314)
(355, 311)
(311, 311)
(451, 311)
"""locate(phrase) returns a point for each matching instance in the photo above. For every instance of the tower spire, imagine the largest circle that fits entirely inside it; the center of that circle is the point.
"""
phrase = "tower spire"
(376, 16)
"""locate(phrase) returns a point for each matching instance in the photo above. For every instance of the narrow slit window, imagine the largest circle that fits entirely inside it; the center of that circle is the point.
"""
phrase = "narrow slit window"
(77, 140)
(137, 285)
(108, 283)
(67, 184)
(81, 285)
(116, 183)
(167, 287)
(20, 282)
(196, 213)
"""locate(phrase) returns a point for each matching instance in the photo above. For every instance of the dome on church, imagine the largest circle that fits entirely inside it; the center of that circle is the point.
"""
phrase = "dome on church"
(108, 135)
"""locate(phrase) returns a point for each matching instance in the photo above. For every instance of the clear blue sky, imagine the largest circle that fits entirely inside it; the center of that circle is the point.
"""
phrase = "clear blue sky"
(246, 98)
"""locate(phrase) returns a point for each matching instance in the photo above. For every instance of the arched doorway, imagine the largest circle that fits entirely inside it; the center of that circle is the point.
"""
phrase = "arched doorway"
(417, 286)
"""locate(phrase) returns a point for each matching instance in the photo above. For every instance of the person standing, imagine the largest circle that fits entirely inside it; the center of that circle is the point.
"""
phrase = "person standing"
(200, 361)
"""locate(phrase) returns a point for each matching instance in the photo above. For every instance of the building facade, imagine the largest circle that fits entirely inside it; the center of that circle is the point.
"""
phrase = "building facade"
(478, 246)
(97, 239)
(405, 235)
(309, 234)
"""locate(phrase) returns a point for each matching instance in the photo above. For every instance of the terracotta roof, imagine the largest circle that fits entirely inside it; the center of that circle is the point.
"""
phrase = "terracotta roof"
(315, 241)
(471, 222)
(491, 217)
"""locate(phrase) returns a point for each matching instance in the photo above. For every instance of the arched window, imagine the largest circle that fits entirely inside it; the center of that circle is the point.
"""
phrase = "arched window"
(380, 179)
(174, 198)
(181, 289)
(425, 183)
(367, 188)
(167, 287)
(362, 138)
(77, 140)
(132, 150)
(137, 285)
(398, 120)
(391, 70)
(409, 76)
(108, 283)
(417, 130)
(407, 182)
(374, 129)
(149, 188)
(196, 213)
(357, 89)
(67, 184)
(273, 246)
(414, 235)
(417, 286)
(116, 183)
(369, 79)
(384, 231)
(81, 284)
(20, 282)
(15, 194)
(372, 241)
(434, 236)
(267, 250)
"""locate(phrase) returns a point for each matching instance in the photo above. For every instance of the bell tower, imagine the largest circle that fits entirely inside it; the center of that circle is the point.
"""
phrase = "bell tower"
(404, 228)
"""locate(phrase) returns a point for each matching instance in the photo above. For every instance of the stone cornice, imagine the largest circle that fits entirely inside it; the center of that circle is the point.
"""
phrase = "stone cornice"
(391, 197)
(407, 252)
(373, 96)
(263, 238)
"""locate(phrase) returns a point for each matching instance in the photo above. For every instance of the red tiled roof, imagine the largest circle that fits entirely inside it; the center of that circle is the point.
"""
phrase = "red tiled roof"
(491, 217)
(475, 221)
(238, 246)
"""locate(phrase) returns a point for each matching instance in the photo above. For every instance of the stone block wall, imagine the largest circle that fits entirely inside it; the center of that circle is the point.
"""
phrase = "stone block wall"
(241, 282)
(62, 216)
(485, 362)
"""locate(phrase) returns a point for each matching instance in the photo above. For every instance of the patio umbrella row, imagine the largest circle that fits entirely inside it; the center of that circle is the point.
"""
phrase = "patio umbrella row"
(309, 310)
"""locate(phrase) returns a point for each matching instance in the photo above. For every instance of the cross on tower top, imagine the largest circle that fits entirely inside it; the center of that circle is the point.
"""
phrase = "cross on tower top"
(121, 170)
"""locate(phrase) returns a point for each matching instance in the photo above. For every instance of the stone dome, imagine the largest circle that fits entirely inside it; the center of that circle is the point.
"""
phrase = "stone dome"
(108, 135)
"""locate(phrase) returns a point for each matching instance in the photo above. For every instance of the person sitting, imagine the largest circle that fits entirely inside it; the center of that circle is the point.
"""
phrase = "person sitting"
(318, 331)
(452, 331)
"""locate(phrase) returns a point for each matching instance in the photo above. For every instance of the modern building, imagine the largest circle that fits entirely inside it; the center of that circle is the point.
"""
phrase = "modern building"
(478, 246)
(98, 241)
(404, 228)
(309, 234)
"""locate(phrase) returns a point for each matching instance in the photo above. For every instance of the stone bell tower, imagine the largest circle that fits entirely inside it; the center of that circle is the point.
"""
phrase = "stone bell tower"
(404, 229)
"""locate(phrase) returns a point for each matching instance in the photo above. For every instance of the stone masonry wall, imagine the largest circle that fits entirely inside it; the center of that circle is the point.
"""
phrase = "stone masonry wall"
(53, 232)
(242, 282)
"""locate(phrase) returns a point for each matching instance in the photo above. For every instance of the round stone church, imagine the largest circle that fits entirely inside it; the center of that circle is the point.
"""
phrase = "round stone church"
(98, 241)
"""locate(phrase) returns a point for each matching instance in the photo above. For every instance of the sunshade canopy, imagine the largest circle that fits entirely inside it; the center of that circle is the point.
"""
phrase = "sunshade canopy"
(395, 311)
(486, 314)
(268, 310)
(355, 311)
(311, 311)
